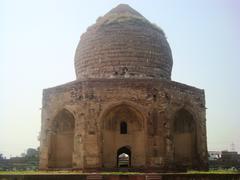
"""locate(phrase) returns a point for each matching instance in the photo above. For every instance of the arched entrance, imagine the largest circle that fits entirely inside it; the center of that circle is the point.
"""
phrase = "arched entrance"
(124, 157)
(123, 126)
(61, 141)
(184, 137)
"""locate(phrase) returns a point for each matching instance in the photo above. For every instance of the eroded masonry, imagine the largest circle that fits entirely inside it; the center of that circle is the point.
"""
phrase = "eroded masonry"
(123, 110)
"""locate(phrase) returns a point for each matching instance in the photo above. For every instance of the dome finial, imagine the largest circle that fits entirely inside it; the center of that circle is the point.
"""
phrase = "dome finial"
(124, 8)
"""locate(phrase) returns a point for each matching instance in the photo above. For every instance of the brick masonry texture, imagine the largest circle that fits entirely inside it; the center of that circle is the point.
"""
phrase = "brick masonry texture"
(123, 65)
(124, 44)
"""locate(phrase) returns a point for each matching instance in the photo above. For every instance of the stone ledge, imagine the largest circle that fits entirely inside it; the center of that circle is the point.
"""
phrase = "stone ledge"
(178, 176)
(125, 82)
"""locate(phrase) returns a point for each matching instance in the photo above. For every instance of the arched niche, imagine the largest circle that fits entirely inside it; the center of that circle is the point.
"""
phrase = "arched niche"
(122, 113)
(61, 141)
(122, 126)
(184, 132)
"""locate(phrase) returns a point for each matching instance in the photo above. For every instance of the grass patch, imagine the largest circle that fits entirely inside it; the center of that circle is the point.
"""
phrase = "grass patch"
(110, 173)
(39, 172)
(121, 173)
(64, 172)
(215, 172)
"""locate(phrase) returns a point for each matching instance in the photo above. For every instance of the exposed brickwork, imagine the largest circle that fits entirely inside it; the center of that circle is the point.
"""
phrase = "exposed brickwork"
(124, 45)
(88, 100)
(123, 65)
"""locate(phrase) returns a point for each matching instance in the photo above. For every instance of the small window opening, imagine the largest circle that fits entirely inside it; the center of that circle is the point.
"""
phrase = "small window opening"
(154, 97)
(123, 128)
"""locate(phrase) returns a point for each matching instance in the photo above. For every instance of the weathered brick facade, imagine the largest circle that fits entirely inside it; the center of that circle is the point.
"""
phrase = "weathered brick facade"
(123, 65)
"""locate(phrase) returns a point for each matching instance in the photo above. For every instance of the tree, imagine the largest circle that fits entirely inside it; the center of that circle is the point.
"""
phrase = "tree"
(32, 152)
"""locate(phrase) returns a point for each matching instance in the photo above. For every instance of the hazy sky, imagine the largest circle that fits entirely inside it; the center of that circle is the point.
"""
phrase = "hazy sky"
(38, 41)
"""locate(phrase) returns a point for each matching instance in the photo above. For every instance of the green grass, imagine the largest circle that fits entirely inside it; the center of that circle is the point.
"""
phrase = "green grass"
(112, 173)
(63, 172)
(121, 173)
(215, 172)
(39, 172)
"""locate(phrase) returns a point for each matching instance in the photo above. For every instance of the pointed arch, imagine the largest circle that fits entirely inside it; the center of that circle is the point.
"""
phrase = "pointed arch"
(183, 121)
(111, 110)
(124, 155)
(184, 137)
(61, 140)
(123, 123)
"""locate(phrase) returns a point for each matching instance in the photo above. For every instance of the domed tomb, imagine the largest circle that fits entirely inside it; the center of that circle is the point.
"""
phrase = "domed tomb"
(123, 110)
(123, 43)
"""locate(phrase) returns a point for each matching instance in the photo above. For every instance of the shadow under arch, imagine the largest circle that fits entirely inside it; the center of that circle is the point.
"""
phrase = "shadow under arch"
(130, 105)
(188, 109)
(112, 138)
(61, 140)
(124, 156)
(185, 137)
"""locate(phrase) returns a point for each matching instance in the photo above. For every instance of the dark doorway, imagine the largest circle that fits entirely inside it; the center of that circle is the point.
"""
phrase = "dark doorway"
(124, 157)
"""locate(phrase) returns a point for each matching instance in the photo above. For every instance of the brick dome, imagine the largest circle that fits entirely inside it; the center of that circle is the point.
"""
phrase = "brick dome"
(123, 44)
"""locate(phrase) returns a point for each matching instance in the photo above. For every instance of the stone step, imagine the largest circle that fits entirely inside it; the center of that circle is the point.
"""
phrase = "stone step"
(153, 177)
(94, 177)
